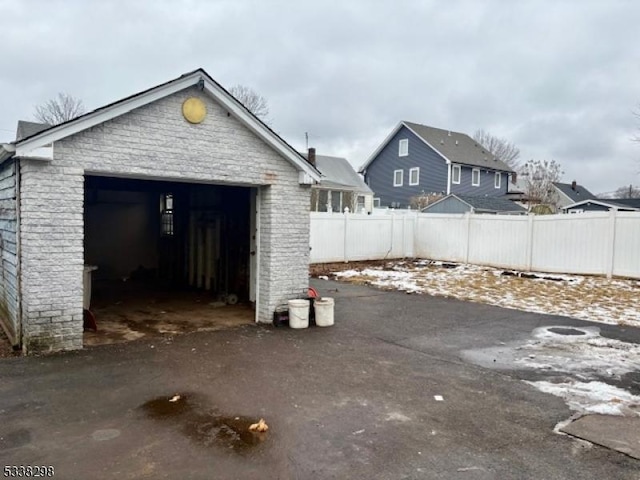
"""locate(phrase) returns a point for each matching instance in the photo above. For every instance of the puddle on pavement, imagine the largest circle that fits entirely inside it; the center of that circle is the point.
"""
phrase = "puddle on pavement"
(205, 428)
(566, 331)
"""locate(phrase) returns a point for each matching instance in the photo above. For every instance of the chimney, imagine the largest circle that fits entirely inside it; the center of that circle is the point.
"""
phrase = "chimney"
(574, 185)
(311, 157)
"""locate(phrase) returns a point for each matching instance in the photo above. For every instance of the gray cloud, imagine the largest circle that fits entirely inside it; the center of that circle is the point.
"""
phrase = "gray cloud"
(557, 78)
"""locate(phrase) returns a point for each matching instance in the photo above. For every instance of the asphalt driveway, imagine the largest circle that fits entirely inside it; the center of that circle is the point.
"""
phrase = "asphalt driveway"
(358, 400)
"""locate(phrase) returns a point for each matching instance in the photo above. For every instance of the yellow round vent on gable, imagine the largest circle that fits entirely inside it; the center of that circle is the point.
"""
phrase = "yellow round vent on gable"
(194, 110)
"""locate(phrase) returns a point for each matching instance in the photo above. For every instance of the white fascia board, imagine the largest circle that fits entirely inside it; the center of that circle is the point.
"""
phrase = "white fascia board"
(602, 203)
(27, 147)
(38, 153)
(380, 147)
(310, 174)
(101, 116)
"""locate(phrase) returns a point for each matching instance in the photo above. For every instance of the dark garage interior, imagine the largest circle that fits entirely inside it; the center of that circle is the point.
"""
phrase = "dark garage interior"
(171, 257)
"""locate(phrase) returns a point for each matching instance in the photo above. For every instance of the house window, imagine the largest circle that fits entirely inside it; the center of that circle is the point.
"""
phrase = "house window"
(376, 202)
(497, 180)
(398, 177)
(166, 208)
(403, 147)
(455, 174)
(360, 205)
(336, 201)
(414, 176)
(475, 177)
(323, 201)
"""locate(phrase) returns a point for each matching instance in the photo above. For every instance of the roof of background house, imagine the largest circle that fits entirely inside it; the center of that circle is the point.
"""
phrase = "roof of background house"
(580, 193)
(615, 203)
(485, 204)
(629, 202)
(26, 129)
(458, 147)
(338, 173)
(455, 147)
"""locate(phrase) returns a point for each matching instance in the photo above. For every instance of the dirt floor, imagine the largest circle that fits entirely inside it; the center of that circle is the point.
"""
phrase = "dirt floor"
(5, 347)
(591, 298)
(126, 314)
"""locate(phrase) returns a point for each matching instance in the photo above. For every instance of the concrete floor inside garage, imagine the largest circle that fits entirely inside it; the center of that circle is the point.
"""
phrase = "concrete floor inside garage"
(165, 258)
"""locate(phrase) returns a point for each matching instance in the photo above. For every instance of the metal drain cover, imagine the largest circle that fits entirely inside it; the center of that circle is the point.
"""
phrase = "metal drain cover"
(566, 331)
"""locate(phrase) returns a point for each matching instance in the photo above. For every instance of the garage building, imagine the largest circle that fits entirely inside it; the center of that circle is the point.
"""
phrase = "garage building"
(178, 188)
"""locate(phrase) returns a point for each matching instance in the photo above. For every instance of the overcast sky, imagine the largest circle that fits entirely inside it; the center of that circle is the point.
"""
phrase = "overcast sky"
(560, 79)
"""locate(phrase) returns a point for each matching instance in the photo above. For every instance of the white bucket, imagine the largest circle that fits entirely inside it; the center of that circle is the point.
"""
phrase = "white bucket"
(298, 313)
(324, 311)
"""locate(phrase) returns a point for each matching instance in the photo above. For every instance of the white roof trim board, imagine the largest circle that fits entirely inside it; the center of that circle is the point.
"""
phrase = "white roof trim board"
(610, 204)
(33, 145)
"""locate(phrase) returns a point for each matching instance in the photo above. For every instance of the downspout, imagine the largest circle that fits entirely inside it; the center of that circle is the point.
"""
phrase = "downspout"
(18, 255)
(448, 178)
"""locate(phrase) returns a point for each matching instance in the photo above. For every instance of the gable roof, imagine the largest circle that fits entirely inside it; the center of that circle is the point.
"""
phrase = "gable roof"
(630, 204)
(338, 173)
(454, 147)
(200, 78)
(27, 129)
(484, 204)
(580, 193)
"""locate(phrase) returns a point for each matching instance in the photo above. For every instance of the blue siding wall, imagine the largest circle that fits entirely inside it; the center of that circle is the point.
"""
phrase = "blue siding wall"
(486, 187)
(379, 174)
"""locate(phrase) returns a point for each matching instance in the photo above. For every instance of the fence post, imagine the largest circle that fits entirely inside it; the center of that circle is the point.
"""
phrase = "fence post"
(404, 227)
(346, 235)
(529, 252)
(468, 225)
(611, 251)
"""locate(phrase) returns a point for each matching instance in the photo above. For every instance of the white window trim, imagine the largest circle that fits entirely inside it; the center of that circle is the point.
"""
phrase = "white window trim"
(395, 184)
(403, 152)
(376, 202)
(473, 171)
(414, 169)
(455, 168)
(497, 180)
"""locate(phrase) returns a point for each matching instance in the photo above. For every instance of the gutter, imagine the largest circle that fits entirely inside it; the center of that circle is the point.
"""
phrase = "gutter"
(7, 150)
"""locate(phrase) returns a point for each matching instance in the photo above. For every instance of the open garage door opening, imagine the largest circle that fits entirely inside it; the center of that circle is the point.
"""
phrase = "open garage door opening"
(166, 257)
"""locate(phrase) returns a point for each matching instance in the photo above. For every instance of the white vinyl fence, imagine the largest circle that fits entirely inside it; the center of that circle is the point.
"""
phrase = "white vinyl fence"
(598, 243)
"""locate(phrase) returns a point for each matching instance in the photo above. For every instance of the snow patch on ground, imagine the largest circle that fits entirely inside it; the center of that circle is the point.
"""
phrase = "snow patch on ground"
(592, 397)
(587, 355)
(595, 299)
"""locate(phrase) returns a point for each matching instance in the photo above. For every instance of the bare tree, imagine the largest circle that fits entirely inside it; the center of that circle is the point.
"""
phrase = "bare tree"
(58, 110)
(627, 192)
(419, 202)
(539, 177)
(251, 99)
(499, 147)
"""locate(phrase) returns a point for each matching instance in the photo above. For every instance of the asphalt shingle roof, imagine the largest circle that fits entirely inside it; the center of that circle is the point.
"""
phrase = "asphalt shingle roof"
(491, 204)
(27, 129)
(577, 195)
(338, 173)
(458, 147)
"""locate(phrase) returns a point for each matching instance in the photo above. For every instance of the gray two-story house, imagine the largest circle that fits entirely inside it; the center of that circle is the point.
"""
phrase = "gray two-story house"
(416, 159)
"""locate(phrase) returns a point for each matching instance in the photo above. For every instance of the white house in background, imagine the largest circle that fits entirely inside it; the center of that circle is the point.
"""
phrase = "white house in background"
(340, 186)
